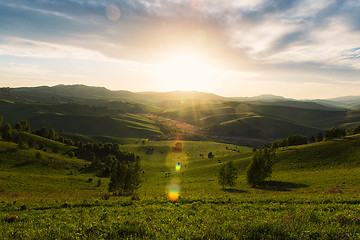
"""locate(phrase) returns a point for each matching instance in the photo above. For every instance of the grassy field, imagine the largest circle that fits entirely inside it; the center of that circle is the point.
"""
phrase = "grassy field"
(313, 194)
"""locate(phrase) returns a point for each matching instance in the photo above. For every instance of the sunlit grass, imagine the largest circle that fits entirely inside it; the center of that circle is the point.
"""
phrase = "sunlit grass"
(301, 200)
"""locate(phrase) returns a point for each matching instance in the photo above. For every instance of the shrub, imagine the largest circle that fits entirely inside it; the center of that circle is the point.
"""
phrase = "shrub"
(228, 174)
(125, 177)
(260, 166)
(332, 133)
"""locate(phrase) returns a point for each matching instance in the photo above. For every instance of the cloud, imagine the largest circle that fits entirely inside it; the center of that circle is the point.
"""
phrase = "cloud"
(250, 36)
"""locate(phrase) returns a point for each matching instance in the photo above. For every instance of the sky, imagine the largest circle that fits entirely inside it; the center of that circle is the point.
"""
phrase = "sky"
(301, 49)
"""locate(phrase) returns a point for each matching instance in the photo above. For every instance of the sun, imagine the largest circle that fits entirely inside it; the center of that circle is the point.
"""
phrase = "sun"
(186, 71)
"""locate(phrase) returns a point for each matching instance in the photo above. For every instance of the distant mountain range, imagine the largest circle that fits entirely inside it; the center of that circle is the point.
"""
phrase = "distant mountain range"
(74, 93)
(250, 120)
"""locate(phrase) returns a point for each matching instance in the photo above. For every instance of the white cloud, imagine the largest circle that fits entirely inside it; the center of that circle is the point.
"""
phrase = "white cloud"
(36, 49)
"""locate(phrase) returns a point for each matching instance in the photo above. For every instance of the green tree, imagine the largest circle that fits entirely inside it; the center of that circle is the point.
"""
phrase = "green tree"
(1, 120)
(332, 133)
(125, 177)
(319, 137)
(6, 131)
(275, 145)
(22, 125)
(260, 166)
(354, 130)
(228, 174)
(44, 132)
(52, 134)
(296, 139)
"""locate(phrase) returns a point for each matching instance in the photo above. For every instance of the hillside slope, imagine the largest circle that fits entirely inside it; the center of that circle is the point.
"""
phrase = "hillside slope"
(83, 119)
(333, 154)
(78, 108)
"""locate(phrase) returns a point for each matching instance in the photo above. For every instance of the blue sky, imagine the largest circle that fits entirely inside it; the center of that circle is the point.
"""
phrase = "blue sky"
(294, 48)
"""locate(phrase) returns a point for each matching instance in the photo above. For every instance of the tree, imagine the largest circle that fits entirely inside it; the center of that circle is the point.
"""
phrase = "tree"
(1, 120)
(22, 125)
(52, 134)
(332, 133)
(311, 139)
(125, 177)
(283, 143)
(296, 139)
(319, 137)
(354, 130)
(6, 131)
(228, 174)
(260, 166)
(275, 145)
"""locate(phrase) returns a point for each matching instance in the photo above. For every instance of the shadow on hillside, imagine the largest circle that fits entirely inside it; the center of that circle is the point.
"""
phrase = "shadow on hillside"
(280, 186)
(233, 190)
(9, 150)
(87, 169)
(23, 164)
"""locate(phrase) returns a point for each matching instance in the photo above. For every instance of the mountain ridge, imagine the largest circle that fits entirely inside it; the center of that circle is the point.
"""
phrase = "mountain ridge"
(62, 93)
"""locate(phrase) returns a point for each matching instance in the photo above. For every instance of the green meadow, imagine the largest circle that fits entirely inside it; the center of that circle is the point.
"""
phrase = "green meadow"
(313, 194)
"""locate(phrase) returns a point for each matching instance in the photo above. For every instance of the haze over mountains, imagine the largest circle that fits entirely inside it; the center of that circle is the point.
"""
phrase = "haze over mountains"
(97, 111)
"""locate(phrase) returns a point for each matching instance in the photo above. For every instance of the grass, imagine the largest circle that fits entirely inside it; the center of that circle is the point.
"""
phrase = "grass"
(312, 194)
(261, 218)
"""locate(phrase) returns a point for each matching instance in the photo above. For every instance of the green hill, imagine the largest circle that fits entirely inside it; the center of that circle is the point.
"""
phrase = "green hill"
(334, 154)
(335, 161)
(30, 172)
(259, 127)
(94, 125)
(83, 119)
(247, 121)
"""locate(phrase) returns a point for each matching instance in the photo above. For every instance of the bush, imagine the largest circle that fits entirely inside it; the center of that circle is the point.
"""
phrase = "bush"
(332, 133)
(319, 137)
(260, 166)
(228, 174)
(296, 139)
(6, 131)
(125, 178)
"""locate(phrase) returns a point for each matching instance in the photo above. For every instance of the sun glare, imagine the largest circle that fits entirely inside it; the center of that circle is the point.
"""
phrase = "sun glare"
(185, 71)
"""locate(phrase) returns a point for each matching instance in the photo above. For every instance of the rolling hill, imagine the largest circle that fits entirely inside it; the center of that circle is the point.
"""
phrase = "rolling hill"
(83, 119)
(77, 108)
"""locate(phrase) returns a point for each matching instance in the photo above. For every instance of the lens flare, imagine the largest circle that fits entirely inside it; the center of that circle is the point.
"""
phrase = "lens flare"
(178, 166)
(113, 13)
(173, 189)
